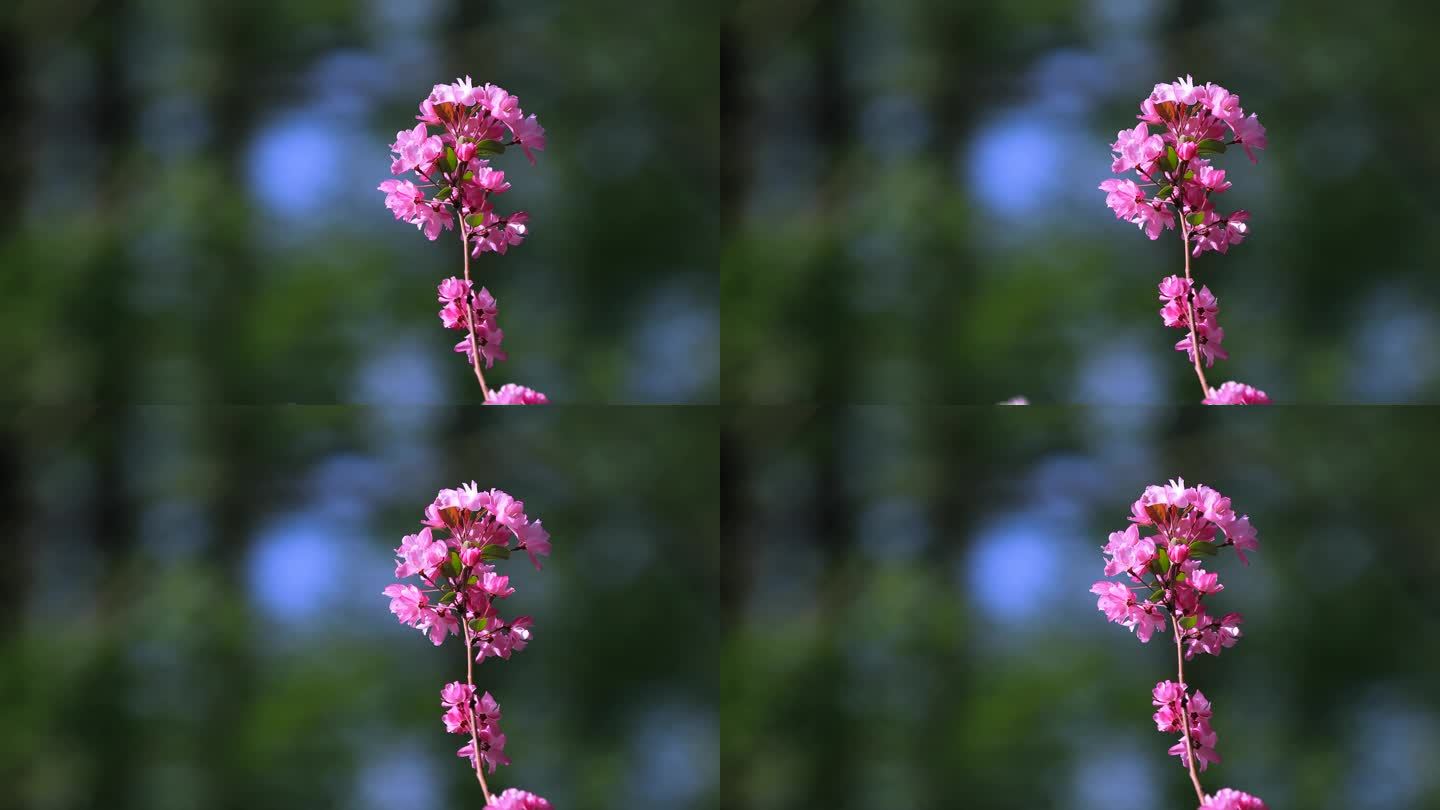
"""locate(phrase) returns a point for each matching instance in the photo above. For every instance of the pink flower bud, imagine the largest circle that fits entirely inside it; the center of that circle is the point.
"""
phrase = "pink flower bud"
(465, 151)
(470, 556)
(1186, 150)
(1179, 552)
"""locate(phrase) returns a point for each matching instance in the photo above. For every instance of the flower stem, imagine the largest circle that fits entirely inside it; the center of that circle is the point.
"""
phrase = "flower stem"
(1189, 308)
(470, 705)
(470, 320)
(1185, 710)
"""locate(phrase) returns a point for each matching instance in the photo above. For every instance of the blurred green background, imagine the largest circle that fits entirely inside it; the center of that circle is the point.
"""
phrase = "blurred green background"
(192, 213)
(910, 209)
(907, 619)
(195, 617)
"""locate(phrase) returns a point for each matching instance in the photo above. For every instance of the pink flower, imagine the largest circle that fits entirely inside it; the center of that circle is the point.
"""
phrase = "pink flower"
(487, 712)
(1205, 582)
(452, 289)
(511, 394)
(530, 135)
(1135, 148)
(495, 586)
(1209, 336)
(1128, 551)
(492, 748)
(438, 624)
(402, 198)
(406, 602)
(491, 180)
(1234, 393)
(1226, 799)
(420, 554)
(1250, 134)
(456, 693)
(1173, 287)
(536, 542)
(1212, 179)
(513, 799)
(1123, 197)
(431, 220)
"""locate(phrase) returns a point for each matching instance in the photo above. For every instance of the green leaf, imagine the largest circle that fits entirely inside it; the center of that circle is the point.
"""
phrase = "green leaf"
(452, 565)
(1165, 191)
(1197, 218)
(468, 176)
(450, 160)
(1188, 622)
(1157, 595)
(489, 148)
(443, 193)
(1163, 557)
(494, 553)
(1210, 146)
(475, 220)
(1171, 160)
(472, 580)
(1190, 175)
(447, 598)
(479, 624)
(1202, 548)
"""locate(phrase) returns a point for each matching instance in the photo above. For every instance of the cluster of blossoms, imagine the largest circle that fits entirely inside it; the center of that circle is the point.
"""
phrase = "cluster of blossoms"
(1186, 525)
(461, 588)
(454, 179)
(1196, 123)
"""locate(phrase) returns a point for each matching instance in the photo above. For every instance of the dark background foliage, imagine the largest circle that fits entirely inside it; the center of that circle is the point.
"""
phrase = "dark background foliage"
(911, 212)
(195, 616)
(907, 619)
(191, 212)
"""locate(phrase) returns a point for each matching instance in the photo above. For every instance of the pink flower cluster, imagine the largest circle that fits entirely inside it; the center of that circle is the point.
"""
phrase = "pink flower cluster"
(1228, 799)
(459, 592)
(1173, 701)
(461, 706)
(454, 178)
(1234, 393)
(455, 163)
(1196, 123)
(513, 799)
(1164, 582)
(465, 308)
(1189, 523)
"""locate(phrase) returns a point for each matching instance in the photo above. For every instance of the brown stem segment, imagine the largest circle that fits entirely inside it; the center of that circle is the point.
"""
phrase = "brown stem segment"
(1189, 307)
(1185, 711)
(470, 707)
(470, 316)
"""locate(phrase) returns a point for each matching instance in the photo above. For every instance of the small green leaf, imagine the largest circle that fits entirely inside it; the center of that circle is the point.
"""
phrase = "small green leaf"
(447, 598)
(450, 160)
(1189, 622)
(1180, 577)
(468, 176)
(443, 193)
(475, 220)
(489, 148)
(452, 565)
(1201, 548)
(479, 624)
(1165, 191)
(1163, 557)
(1157, 595)
(494, 553)
(1197, 218)
(1210, 146)
(472, 580)
(1171, 160)
(1190, 175)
